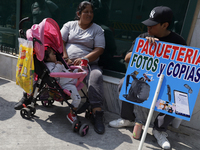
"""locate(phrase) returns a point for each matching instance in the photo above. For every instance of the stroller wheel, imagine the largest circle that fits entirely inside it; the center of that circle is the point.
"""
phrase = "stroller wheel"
(76, 126)
(47, 103)
(51, 101)
(88, 114)
(83, 129)
(32, 110)
(25, 113)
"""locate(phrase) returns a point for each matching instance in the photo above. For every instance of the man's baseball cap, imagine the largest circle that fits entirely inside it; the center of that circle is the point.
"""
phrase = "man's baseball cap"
(159, 14)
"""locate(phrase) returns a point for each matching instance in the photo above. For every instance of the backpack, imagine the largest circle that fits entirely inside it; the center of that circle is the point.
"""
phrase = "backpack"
(139, 90)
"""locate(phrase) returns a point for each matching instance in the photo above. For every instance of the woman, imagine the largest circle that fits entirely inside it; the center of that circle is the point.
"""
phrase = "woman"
(84, 39)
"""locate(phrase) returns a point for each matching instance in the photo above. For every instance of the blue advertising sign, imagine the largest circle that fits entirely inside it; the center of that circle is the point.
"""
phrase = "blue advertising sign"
(178, 64)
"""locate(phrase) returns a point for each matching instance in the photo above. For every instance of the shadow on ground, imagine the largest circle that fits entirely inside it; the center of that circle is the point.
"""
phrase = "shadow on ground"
(7, 109)
(59, 127)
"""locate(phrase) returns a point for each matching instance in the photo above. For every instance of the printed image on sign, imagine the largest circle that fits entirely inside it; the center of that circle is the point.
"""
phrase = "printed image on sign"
(178, 64)
(182, 105)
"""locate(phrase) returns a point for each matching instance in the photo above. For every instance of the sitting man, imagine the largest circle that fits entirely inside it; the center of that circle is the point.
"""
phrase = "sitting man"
(157, 25)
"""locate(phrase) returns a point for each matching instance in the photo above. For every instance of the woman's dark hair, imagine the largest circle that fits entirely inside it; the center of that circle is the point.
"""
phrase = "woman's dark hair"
(81, 7)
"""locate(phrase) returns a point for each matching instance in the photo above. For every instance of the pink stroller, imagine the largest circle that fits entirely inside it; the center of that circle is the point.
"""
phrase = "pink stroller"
(48, 32)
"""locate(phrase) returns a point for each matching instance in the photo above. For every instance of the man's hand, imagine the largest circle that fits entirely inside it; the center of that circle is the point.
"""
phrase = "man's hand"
(152, 39)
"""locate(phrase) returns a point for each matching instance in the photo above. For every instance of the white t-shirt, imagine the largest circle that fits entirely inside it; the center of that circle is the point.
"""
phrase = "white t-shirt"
(81, 42)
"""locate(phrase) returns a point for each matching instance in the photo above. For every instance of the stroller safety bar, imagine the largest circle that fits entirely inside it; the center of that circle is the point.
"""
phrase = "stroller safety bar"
(80, 75)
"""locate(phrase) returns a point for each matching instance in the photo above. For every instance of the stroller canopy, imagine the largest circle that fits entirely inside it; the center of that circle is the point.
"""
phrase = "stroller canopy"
(48, 32)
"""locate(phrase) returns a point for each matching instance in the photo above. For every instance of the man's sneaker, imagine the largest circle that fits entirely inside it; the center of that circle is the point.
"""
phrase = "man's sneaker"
(71, 117)
(161, 139)
(121, 123)
(24, 100)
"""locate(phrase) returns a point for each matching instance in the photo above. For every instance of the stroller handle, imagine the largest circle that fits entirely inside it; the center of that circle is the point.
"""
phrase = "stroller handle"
(21, 32)
(22, 21)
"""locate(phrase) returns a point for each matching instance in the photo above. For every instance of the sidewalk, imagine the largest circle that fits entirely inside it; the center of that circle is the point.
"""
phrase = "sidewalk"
(50, 130)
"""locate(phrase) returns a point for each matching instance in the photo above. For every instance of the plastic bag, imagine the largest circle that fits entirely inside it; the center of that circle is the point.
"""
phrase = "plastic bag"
(25, 66)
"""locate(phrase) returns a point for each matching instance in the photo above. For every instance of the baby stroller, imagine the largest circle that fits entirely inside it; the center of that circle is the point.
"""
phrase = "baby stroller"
(48, 32)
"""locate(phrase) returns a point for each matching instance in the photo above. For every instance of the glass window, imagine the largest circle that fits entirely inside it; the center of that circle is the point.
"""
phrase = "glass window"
(7, 24)
(121, 21)
(124, 20)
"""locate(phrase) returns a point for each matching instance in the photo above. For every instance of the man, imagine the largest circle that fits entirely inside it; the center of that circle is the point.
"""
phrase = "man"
(157, 25)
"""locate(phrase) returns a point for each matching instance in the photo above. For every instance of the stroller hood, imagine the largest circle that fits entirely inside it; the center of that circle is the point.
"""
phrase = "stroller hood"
(48, 32)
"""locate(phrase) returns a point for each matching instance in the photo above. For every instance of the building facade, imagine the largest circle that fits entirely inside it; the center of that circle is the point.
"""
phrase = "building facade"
(120, 19)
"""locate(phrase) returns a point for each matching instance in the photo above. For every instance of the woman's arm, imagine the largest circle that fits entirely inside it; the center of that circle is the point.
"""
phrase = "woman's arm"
(92, 56)
(64, 51)
(65, 56)
(99, 45)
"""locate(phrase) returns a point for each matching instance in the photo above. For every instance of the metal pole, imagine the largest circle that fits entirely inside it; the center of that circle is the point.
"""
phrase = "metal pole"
(17, 23)
(151, 111)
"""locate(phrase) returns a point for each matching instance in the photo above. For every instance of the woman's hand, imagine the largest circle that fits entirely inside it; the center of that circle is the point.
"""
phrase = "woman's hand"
(152, 39)
(77, 61)
(68, 61)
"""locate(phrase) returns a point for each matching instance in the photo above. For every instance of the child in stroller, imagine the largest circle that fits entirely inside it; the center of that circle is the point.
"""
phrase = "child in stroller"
(48, 33)
(66, 83)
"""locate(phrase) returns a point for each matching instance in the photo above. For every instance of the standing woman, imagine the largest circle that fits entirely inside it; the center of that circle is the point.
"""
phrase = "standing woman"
(84, 39)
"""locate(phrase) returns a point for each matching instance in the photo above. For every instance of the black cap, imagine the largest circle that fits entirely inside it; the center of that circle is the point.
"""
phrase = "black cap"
(160, 14)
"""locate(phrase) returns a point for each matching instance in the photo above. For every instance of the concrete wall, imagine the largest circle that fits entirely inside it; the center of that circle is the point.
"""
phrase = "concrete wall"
(8, 66)
(112, 102)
